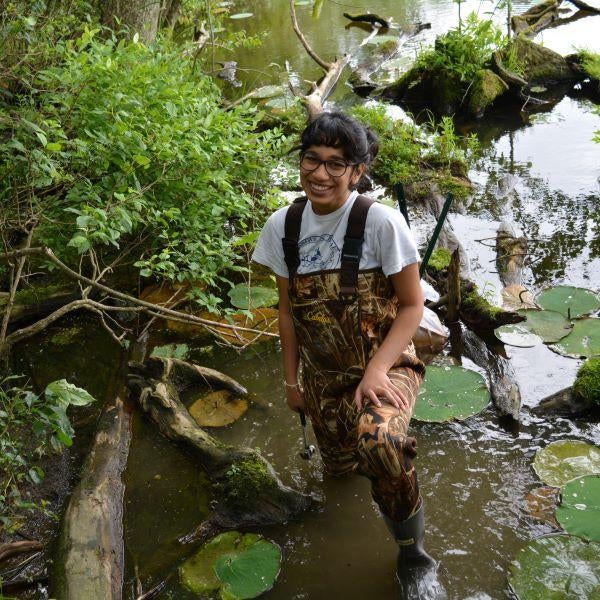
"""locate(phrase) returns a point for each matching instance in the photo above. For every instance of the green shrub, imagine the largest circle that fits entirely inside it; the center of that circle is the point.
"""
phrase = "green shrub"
(463, 50)
(125, 149)
(30, 427)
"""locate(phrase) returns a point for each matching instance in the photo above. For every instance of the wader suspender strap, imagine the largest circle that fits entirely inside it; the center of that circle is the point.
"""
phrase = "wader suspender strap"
(351, 251)
(293, 220)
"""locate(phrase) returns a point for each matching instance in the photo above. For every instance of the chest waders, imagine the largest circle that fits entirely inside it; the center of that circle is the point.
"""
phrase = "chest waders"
(341, 317)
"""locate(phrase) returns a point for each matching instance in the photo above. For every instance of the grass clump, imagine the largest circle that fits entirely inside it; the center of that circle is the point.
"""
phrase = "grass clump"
(591, 64)
(587, 382)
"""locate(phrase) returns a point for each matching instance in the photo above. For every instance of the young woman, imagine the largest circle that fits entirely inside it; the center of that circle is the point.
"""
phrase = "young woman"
(349, 303)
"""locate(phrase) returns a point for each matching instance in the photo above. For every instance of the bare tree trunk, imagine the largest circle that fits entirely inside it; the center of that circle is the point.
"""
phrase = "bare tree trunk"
(141, 16)
(90, 558)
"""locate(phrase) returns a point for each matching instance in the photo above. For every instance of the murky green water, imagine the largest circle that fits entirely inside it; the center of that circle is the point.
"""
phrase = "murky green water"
(541, 172)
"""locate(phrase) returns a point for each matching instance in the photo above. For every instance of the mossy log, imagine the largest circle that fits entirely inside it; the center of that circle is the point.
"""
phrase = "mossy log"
(246, 489)
(90, 557)
(582, 398)
(535, 19)
(36, 302)
(485, 89)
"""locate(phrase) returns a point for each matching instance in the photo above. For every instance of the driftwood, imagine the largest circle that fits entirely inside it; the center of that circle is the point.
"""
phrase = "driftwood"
(546, 14)
(90, 558)
(247, 491)
(500, 374)
(332, 70)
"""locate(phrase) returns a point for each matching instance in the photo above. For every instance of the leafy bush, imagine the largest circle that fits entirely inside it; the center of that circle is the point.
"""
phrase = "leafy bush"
(463, 50)
(30, 427)
(122, 148)
(406, 150)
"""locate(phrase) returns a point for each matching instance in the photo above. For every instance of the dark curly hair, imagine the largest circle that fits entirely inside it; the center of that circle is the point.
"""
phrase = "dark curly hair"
(337, 130)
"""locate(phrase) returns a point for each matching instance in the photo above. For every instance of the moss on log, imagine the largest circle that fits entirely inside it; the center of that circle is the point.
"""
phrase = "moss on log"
(587, 382)
(486, 88)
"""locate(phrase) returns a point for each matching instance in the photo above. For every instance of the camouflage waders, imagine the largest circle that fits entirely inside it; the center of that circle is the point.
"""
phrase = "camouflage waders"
(340, 318)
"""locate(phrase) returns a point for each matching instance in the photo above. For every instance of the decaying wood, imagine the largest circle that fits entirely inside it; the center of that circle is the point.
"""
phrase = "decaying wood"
(320, 91)
(90, 558)
(454, 288)
(511, 250)
(511, 78)
(247, 489)
(504, 388)
(10, 549)
(535, 19)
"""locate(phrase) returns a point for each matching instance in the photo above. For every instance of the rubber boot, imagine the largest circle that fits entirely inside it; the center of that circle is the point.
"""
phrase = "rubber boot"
(416, 570)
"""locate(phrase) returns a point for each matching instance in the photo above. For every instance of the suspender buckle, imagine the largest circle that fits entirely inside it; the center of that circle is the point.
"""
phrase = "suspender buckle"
(352, 250)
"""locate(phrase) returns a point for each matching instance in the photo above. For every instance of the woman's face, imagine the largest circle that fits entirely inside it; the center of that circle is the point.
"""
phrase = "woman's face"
(326, 192)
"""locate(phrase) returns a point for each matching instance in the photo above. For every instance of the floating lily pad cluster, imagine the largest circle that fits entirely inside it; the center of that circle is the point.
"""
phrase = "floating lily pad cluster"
(561, 322)
(236, 565)
(450, 392)
(565, 566)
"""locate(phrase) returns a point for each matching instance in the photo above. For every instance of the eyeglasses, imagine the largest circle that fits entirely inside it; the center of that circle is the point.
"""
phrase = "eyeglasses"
(334, 167)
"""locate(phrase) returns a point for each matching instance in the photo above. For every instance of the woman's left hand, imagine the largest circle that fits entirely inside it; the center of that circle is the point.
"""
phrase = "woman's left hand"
(377, 387)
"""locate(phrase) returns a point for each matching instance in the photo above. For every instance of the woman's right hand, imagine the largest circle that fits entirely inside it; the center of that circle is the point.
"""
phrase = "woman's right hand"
(294, 398)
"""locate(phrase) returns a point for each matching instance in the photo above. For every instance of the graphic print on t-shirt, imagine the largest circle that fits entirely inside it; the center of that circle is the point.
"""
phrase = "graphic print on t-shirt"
(318, 252)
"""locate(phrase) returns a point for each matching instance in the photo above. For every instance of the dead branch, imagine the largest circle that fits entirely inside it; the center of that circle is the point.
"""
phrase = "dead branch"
(323, 64)
(13, 548)
(584, 6)
(155, 308)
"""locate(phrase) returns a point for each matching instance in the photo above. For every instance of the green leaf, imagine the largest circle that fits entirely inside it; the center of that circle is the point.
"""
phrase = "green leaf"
(36, 474)
(198, 573)
(140, 159)
(67, 393)
(317, 7)
(583, 341)
(54, 147)
(579, 509)
(559, 567)
(450, 392)
(550, 325)
(565, 299)
(171, 351)
(243, 296)
(244, 15)
(564, 460)
(518, 335)
(249, 573)
(41, 136)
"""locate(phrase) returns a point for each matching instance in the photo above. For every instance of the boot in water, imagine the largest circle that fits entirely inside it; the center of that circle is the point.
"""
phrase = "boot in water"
(416, 570)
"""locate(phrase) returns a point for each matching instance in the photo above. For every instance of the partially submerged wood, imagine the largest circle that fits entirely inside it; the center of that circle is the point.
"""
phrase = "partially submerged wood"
(504, 388)
(454, 298)
(248, 492)
(370, 18)
(564, 403)
(90, 558)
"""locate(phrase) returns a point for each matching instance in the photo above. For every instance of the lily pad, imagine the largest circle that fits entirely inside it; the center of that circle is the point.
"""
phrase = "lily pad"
(579, 508)
(550, 325)
(243, 296)
(564, 460)
(250, 572)
(218, 408)
(518, 335)
(171, 351)
(268, 91)
(450, 392)
(584, 340)
(245, 15)
(566, 299)
(559, 567)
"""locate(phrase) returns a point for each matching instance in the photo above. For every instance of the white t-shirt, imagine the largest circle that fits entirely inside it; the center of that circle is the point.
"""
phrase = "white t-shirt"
(388, 242)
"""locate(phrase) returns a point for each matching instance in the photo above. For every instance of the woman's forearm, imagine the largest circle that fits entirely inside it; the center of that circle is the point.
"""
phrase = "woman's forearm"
(287, 334)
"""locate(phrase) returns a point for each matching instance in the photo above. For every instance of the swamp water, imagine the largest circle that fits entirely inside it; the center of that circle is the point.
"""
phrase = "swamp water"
(541, 173)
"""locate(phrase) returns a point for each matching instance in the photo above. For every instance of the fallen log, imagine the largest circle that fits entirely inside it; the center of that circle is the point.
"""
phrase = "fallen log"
(247, 491)
(370, 18)
(90, 558)
(504, 388)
